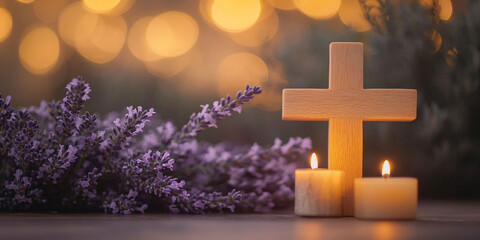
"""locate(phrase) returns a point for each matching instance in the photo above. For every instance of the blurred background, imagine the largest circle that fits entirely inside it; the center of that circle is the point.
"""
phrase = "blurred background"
(176, 55)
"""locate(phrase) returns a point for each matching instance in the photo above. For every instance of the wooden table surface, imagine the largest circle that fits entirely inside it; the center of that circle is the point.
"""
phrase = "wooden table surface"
(436, 220)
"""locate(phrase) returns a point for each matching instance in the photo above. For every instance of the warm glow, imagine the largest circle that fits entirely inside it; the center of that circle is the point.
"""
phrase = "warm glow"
(5, 24)
(109, 34)
(137, 43)
(97, 38)
(310, 230)
(451, 57)
(48, 11)
(100, 6)
(39, 50)
(25, 1)
(235, 15)
(168, 67)
(271, 97)
(259, 34)
(75, 24)
(282, 4)
(314, 161)
(205, 9)
(105, 41)
(265, 11)
(351, 14)
(270, 100)
(318, 9)
(122, 7)
(387, 230)
(436, 39)
(386, 169)
(445, 7)
(171, 34)
(238, 70)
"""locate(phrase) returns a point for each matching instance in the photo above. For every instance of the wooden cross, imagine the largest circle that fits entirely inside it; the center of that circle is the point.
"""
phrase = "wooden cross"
(345, 105)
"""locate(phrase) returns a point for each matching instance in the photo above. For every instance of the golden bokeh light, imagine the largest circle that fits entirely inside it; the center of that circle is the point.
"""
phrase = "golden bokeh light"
(235, 15)
(199, 76)
(205, 9)
(105, 41)
(436, 40)
(100, 6)
(137, 43)
(282, 4)
(171, 34)
(445, 7)
(318, 9)
(238, 70)
(99, 39)
(75, 24)
(109, 35)
(451, 57)
(265, 12)
(39, 50)
(271, 97)
(48, 11)
(121, 8)
(168, 67)
(108, 7)
(5, 24)
(351, 14)
(25, 1)
(260, 33)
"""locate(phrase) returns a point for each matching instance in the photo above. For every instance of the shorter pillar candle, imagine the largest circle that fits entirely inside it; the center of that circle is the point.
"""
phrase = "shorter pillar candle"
(318, 192)
(386, 198)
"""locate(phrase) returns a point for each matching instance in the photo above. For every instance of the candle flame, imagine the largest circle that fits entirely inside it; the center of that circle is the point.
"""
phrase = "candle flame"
(386, 169)
(314, 161)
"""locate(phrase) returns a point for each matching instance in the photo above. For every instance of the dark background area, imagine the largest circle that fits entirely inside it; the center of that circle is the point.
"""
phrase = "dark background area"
(408, 44)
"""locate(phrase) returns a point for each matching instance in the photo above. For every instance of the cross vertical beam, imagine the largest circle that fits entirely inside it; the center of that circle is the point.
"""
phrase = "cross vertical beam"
(346, 105)
(345, 135)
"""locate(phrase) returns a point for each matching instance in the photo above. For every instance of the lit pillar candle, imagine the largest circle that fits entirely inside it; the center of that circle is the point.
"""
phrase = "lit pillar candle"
(386, 197)
(318, 191)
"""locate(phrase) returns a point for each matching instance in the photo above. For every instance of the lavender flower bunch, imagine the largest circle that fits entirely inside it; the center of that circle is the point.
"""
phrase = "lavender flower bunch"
(55, 157)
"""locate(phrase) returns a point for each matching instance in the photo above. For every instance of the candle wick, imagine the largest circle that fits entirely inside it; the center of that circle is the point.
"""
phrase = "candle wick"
(386, 176)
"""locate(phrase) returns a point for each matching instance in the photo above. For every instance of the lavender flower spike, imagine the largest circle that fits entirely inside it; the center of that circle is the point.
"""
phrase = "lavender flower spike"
(73, 102)
(208, 117)
(60, 158)
(131, 125)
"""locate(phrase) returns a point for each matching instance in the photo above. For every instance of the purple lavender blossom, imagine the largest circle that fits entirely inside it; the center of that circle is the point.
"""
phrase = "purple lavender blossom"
(55, 157)
(56, 165)
(208, 117)
(71, 106)
(213, 202)
(131, 125)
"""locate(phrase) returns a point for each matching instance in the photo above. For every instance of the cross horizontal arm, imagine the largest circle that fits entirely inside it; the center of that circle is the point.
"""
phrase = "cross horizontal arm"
(366, 104)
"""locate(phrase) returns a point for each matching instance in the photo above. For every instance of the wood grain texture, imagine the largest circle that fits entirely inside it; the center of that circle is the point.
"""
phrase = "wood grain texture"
(346, 65)
(345, 153)
(366, 104)
(346, 105)
(435, 220)
(319, 193)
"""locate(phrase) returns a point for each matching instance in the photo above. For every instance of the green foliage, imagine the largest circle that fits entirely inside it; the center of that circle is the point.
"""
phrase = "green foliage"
(412, 47)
